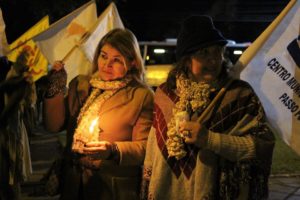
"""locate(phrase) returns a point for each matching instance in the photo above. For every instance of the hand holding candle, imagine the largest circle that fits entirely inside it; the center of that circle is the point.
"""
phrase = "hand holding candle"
(95, 148)
(98, 149)
(88, 132)
(180, 117)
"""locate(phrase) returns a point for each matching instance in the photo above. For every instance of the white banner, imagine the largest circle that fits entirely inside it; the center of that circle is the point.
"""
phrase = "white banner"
(108, 20)
(4, 49)
(61, 40)
(274, 73)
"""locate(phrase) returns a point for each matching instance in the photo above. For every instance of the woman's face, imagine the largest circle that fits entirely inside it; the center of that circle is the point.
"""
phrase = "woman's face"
(206, 64)
(111, 64)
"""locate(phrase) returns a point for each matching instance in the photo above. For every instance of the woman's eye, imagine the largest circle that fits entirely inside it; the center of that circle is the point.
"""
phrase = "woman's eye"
(103, 56)
(118, 60)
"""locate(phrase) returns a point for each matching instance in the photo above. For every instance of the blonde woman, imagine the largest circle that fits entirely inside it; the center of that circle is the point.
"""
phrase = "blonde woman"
(109, 117)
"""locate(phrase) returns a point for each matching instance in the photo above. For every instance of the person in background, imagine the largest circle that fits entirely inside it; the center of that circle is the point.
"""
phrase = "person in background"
(225, 155)
(5, 66)
(108, 117)
(15, 159)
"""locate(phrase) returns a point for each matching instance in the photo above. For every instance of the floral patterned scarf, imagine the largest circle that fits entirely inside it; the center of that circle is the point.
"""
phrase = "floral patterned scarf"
(88, 129)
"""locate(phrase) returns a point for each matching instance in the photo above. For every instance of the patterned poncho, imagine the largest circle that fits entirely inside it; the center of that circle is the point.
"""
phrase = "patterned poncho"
(234, 163)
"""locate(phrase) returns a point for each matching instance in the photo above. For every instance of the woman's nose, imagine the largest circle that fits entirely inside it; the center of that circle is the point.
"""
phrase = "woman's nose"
(107, 63)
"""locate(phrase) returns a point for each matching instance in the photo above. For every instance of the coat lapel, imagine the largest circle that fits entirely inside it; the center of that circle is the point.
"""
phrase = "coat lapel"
(120, 98)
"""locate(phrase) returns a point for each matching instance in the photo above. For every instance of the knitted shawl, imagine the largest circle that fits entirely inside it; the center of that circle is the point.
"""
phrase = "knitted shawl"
(238, 120)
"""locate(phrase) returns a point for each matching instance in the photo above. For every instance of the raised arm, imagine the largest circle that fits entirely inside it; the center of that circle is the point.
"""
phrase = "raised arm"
(54, 110)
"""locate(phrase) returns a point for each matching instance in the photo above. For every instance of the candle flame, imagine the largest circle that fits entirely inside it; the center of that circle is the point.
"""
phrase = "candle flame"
(93, 124)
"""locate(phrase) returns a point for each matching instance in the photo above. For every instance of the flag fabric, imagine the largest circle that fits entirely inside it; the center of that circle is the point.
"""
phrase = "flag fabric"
(274, 73)
(108, 20)
(36, 61)
(4, 48)
(60, 41)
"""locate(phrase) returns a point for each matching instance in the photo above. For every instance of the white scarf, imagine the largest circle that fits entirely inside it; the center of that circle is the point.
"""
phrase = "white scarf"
(191, 94)
(88, 119)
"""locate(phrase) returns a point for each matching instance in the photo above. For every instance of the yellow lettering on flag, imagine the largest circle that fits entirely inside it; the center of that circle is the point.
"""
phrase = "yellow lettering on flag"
(272, 69)
(36, 61)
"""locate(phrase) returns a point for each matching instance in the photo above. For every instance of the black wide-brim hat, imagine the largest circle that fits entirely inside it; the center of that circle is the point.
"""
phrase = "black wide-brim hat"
(197, 32)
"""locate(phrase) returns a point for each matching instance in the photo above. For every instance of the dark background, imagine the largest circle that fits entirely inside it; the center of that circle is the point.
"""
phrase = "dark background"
(239, 20)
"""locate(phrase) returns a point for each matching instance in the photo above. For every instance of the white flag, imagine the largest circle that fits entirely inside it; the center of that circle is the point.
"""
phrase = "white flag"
(274, 73)
(62, 38)
(4, 49)
(108, 20)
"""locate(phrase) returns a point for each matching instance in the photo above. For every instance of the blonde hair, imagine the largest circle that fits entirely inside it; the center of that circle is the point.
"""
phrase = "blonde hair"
(126, 43)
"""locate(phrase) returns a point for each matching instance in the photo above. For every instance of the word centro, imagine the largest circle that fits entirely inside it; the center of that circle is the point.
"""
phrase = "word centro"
(290, 104)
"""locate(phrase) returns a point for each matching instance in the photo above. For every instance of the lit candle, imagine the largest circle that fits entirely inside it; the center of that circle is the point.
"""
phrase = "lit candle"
(180, 117)
(93, 129)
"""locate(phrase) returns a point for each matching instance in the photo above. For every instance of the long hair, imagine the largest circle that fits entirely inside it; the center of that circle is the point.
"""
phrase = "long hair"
(126, 43)
(182, 67)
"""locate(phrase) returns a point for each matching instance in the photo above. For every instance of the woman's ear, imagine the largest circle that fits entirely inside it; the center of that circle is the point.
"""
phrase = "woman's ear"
(132, 65)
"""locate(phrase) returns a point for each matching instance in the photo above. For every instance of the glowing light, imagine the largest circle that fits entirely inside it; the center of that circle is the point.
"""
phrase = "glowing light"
(93, 124)
(93, 129)
(157, 74)
(237, 52)
(159, 51)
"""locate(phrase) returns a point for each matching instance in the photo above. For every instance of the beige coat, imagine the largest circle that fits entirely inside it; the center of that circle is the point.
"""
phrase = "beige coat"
(125, 119)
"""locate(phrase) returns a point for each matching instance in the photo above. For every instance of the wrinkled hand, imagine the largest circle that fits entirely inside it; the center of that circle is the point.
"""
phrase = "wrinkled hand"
(98, 150)
(197, 133)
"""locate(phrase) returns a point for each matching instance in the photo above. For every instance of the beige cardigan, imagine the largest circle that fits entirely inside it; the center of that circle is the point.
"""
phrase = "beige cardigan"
(125, 119)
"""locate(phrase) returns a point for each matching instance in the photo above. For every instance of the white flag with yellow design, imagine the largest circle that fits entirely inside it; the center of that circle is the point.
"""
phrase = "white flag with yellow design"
(61, 40)
(108, 20)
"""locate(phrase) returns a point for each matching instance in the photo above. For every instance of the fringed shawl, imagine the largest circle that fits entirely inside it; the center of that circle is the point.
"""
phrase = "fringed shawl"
(238, 114)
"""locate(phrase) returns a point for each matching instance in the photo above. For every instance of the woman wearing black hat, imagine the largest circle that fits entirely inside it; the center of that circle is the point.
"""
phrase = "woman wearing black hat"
(209, 139)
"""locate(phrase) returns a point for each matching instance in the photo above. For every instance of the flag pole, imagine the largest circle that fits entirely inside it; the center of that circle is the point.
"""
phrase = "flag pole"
(84, 37)
(214, 101)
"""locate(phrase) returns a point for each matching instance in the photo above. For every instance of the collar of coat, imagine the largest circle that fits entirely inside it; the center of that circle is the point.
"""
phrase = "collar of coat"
(80, 88)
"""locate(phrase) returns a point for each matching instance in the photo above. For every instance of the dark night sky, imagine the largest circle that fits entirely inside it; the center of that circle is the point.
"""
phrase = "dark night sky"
(240, 20)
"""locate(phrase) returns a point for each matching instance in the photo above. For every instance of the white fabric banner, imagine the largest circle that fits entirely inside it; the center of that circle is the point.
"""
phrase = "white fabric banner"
(108, 20)
(274, 73)
(61, 40)
(4, 48)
